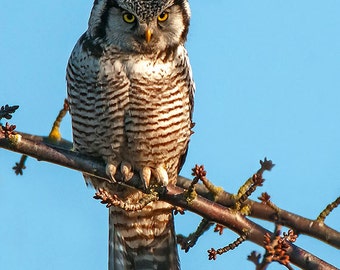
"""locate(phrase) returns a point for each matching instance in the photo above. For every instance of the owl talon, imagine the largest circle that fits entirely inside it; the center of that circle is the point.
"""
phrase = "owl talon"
(161, 176)
(111, 171)
(126, 170)
(145, 175)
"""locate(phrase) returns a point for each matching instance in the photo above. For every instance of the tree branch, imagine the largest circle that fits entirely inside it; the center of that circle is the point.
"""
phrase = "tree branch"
(300, 224)
(39, 148)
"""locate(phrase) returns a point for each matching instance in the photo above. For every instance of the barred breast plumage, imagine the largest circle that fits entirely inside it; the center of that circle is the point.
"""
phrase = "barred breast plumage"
(134, 108)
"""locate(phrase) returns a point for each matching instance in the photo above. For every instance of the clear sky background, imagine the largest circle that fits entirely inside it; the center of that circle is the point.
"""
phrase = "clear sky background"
(268, 84)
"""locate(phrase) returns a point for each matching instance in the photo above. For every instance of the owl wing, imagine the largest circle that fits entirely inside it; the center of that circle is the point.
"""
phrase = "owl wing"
(97, 122)
(191, 90)
(82, 80)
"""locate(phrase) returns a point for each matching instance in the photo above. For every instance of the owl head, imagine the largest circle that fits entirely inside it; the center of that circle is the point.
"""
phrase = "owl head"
(140, 26)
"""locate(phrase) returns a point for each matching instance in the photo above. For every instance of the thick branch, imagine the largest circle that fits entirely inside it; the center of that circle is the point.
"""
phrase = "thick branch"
(300, 224)
(206, 208)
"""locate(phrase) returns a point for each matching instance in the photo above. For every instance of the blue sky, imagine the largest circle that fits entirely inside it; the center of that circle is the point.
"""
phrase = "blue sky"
(268, 84)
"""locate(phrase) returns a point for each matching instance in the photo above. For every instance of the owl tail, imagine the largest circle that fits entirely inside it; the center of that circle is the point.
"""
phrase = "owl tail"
(159, 254)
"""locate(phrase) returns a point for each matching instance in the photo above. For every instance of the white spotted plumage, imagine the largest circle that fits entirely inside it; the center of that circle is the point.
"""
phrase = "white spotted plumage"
(131, 102)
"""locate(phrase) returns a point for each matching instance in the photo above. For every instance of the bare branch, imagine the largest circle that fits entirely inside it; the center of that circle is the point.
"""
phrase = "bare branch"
(329, 208)
(258, 210)
(206, 208)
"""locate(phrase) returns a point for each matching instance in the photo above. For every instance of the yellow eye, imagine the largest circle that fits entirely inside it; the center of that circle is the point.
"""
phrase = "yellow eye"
(163, 17)
(129, 18)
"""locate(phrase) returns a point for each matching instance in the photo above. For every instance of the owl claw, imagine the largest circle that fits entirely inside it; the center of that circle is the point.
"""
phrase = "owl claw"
(111, 170)
(145, 174)
(159, 173)
(126, 170)
(161, 176)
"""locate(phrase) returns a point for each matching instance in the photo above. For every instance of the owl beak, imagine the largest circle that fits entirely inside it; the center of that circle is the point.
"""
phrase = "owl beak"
(148, 35)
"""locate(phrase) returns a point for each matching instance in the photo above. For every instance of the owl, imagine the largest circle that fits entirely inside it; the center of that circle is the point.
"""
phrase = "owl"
(130, 91)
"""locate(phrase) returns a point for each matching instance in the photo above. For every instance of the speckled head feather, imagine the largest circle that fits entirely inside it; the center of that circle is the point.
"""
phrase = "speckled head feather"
(145, 9)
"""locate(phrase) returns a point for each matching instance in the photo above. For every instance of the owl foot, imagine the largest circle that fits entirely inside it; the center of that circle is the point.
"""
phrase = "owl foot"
(145, 175)
(159, 174)
(124, 167)
(111, 169)
(126, 170)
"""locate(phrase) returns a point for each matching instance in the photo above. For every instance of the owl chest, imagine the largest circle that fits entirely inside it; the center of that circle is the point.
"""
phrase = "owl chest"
(149, 107)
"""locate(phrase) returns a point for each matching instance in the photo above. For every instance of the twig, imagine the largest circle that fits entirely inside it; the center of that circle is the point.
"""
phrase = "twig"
(6, 111)
(329, 208)
(8, 130)
(188, 242)
(19, 167)
(55, 134)
(212, 252)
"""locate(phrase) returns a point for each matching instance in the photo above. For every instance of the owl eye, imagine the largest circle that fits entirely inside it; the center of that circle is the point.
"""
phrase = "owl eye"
(129, 18)
(163, 17)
